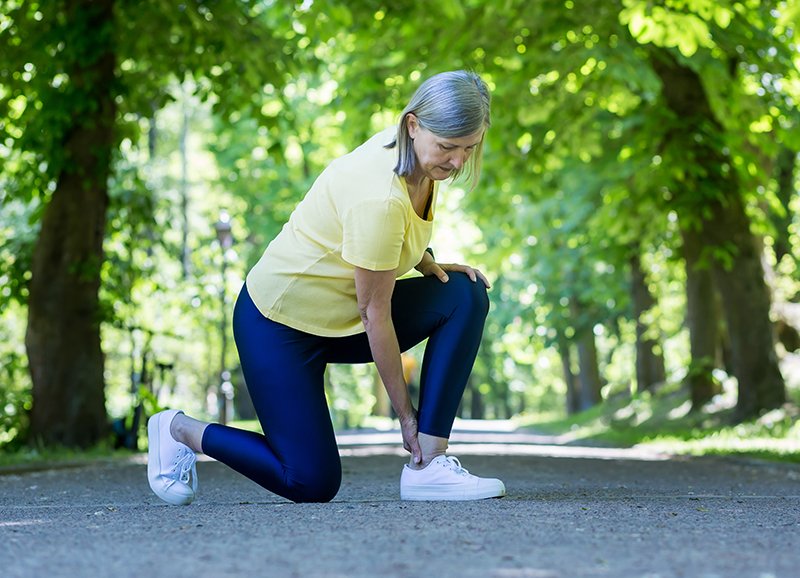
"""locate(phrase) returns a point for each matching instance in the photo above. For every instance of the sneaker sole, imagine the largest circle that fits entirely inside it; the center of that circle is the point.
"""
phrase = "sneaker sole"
(154, 466)
(436, 493)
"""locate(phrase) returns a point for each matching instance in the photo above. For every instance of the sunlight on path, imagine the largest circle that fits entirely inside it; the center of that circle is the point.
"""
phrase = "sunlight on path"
(490, 437)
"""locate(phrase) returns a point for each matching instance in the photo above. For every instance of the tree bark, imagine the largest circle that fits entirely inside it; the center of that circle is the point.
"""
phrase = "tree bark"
(746, 303)
(703, 322)
(476, 406)
(573, 388)
(589, 376)
(588, 369)
(787, 159)
(63, 333)
(503, 409)
(711, 203)
(650, 369)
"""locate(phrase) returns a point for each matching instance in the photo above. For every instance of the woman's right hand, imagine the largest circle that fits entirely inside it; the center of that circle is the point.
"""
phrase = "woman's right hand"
(408, 427)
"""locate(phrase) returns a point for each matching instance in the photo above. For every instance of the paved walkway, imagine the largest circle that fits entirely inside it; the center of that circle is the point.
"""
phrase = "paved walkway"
(571, 512)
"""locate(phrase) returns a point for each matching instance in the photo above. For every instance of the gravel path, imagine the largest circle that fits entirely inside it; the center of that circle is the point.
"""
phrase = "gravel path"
(571, 512)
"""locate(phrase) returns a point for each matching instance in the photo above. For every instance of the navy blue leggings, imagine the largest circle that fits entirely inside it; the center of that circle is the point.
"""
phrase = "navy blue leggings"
(297, 456)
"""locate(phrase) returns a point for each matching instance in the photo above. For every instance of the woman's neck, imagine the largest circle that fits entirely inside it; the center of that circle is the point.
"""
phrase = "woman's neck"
(417, 183)
(419, 193)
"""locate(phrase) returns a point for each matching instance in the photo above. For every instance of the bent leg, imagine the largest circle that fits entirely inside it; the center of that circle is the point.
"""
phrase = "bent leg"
(451, 350)
(297, 456)
(451, 316)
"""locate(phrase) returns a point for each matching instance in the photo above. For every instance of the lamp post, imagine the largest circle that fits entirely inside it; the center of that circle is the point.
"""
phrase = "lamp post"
(225, 393)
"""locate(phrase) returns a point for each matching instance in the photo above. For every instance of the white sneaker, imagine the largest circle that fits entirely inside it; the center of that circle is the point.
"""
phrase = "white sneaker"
(170, 464)
(445, 479)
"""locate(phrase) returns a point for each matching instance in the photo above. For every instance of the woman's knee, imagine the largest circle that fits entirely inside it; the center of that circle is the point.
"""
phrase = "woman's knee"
(320, 485)
(471, 294)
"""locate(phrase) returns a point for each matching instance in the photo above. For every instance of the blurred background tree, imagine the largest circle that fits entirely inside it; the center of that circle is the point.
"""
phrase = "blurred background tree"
(637, 211)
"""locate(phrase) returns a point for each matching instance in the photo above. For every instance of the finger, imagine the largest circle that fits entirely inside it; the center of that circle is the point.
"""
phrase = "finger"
(484, 279)
(473, 274)
(440, 273)
(416, 451)
(466, 269)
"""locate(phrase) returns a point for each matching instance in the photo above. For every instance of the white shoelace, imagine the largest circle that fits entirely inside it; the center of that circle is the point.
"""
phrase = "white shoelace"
(456, 466)
(185, 467)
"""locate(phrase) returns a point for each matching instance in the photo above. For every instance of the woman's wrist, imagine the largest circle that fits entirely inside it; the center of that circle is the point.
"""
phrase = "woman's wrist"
(427, 259)
(406, 414)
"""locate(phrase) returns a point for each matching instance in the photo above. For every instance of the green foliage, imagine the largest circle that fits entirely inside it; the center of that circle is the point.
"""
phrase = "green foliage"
(14, 380)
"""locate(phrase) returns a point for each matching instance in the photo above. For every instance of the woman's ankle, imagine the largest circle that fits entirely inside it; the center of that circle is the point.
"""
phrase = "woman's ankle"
(188, 431)
(432, 447)
(426, 459)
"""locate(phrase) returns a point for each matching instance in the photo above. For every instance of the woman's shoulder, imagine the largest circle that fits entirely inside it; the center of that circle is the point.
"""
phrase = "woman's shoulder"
(368, 170)
(372, 154)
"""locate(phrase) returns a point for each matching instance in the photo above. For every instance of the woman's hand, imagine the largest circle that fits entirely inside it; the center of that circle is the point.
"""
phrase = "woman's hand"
(408, 426)
(431, 267)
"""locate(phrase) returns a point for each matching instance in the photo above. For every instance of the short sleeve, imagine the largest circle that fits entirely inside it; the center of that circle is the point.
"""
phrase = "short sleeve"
(372, 234)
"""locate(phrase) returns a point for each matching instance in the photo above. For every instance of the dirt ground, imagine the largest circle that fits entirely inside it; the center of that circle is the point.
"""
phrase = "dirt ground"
(570, 512)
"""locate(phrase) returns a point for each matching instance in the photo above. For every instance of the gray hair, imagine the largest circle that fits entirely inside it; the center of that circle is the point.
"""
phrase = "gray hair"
(450, 105)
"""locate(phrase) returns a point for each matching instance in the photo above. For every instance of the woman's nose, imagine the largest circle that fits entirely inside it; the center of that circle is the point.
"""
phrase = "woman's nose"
(458, 159)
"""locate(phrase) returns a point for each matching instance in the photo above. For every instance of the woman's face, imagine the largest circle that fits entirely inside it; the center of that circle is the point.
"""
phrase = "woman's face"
(438, 157)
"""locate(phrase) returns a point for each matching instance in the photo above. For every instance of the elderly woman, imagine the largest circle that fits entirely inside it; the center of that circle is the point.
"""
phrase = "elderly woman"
(326, 290)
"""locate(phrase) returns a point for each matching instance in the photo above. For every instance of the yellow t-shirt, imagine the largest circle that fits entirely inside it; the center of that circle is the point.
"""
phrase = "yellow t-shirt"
(357, 213)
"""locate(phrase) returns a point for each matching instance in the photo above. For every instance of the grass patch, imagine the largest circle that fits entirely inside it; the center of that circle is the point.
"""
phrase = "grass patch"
(34, 458)
(663, 421)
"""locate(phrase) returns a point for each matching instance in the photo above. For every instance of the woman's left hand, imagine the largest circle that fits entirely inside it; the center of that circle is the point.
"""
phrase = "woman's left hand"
(440, 270)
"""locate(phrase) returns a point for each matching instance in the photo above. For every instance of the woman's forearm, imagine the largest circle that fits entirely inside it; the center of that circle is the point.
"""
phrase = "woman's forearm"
(374, 293)
(386, 354)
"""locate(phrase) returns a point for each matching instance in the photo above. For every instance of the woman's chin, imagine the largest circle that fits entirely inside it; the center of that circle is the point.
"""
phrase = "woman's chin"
(442, 174)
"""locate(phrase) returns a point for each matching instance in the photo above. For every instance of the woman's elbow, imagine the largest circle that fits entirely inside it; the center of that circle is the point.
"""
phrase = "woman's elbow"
(372, 316)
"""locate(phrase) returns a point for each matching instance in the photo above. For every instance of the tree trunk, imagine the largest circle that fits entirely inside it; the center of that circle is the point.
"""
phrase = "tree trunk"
(589, 376)
(588, 370)
(476, 406)
(710, 203)
(502, 395)
(152, 134)
(573, 388)
(649, 359)
(746, 303)
(702, 321)
(63, 334)
(787, 159)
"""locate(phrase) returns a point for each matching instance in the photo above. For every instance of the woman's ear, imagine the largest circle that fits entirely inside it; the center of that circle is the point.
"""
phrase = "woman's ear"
(412, 125)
